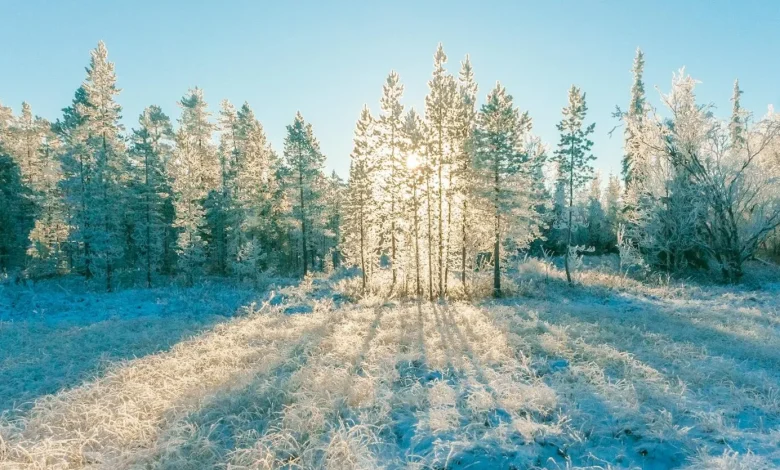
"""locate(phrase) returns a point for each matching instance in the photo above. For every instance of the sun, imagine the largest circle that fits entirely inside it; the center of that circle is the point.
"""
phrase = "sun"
(412, 161)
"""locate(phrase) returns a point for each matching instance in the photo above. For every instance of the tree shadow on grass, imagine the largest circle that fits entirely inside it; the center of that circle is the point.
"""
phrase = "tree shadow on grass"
(681, 345)
(80, 337)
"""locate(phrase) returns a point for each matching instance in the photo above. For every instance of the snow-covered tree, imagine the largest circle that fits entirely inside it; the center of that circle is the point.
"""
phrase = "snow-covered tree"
(463, 177)
(573, 158)
(418, 172)
(256, 197)
(360, 216)
(13, 232)
(304, 162)
(195, 172)
(613, 209)
(738, 116)
(716, 197)
(391, 174)
(94, 164)
(152, 204)
(439, 114)
(503, 170)
(633, 159)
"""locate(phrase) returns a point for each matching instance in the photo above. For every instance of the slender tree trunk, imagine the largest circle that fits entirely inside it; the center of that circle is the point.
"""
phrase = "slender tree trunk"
(392, 207)
(362, 247)
(104, 183)
(418, 288)
(430, 238)
(303, 223)
(148, 223)
(463, 247)
(441, 216)
(497, 245)
(571, 210)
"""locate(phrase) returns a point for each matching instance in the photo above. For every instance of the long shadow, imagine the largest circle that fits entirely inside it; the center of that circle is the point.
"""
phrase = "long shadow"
(590, 322)
(647, 317)
(60, 340)
(236, 418)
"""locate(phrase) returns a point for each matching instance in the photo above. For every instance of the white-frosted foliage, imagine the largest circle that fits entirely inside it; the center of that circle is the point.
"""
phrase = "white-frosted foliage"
(360, 221)
(440, 110)
(151, 201)
(573, 158)
(391, 171)
(254, 192)
(96, 166)
(195, 172)
(712, 183)
(503, 169)
(304, 180)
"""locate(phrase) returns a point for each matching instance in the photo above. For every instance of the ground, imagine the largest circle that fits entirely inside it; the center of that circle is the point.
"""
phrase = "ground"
(610, 373)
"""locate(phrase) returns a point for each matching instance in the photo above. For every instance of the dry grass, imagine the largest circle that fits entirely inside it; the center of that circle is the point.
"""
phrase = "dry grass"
(611, 373)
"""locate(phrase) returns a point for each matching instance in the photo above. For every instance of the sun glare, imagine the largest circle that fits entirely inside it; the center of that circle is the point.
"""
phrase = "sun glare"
(412, 161)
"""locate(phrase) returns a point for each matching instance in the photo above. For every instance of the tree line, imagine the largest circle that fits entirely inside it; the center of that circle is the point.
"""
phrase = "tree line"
(433, 199)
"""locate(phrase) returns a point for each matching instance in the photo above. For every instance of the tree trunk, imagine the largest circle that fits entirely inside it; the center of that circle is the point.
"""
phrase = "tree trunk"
(430, 238)
(571, 210)
(497, 245)
(303, 222)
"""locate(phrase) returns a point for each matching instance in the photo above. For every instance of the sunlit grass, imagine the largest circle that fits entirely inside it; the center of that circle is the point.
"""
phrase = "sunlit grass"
(610, 373)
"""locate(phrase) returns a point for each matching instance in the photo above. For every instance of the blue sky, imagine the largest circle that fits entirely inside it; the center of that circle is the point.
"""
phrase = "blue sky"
(327, 59)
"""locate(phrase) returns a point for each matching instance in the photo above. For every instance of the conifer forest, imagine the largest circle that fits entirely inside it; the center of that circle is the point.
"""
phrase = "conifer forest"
(177, 292)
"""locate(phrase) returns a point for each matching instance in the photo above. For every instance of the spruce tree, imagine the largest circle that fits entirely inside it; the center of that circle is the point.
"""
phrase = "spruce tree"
(414, 148)
(257, 207)
(195, 172)
(439, 111)
(463, 129)
(389, 128)
(737, 122)
(633, 161)
(94, 163)
(359, 218)
(573, 158)
(150, 154)
(304, 162)
(503, 170)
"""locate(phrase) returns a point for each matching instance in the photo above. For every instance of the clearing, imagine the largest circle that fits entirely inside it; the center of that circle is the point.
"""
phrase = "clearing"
(607, 374)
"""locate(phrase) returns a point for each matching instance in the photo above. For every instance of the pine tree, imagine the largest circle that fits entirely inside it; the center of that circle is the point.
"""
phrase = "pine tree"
(94, 164)
(359, 220)
(737, 123)
(195, 172)
(6, 122)
(334, 213)
(463, 129)
(255, 196)
(25, 143)
(633, 163)
(12, 199)
(150, 154)
(220, 207)
(573, 157)
(504, 174)
(596, 220)
(389, 128)
(414, 148)
(439, 110)
(613, 209)
(38, 149)
(304, 162)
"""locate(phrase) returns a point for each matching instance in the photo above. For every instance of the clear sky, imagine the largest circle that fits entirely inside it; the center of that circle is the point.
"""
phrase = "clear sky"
(328, 58)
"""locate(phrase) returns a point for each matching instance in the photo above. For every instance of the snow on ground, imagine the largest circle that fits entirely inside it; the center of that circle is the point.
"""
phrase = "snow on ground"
(607, 374)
